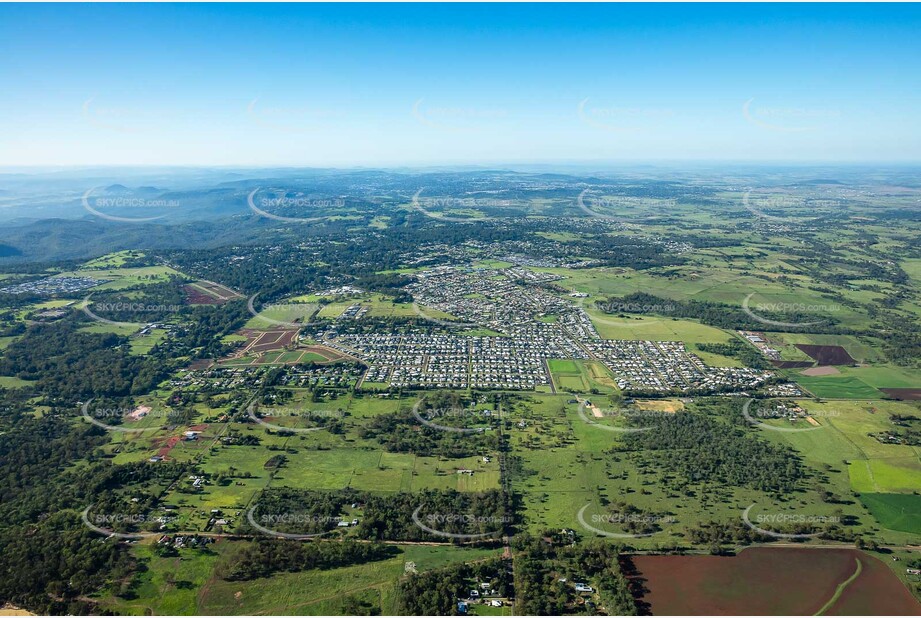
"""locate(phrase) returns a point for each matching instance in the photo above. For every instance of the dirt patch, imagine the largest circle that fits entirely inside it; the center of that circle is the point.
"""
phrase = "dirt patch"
(256, 344)
(266, 340)
(168, 446)
(660, 405)
(827, 354)
(903, 394)
(768, 581)
(139, 413)
(820, 371)
(196, 296)
(208, 293)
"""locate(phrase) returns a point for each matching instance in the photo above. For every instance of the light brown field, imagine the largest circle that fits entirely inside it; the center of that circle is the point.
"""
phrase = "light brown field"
(820, 371)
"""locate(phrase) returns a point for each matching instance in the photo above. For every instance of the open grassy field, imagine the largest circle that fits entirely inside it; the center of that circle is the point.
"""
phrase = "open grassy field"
(142, 345)
(316, 460)
(319, 592)
(13, 382)
(655, 329)
(581, 376)
(884, 376)
(860, 350)
(290, 312)
(566, 466)
(112, 260)
(124, 329)
(839, 386)
(121, 278)
(872, 467)
(189, 584)
(895, 511)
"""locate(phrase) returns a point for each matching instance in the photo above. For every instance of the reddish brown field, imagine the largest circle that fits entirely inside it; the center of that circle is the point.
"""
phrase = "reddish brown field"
(770, 581)
(265, 340)
(903, 394)
(168, 446)
(827, 354)
(194, 296)
(208, 293)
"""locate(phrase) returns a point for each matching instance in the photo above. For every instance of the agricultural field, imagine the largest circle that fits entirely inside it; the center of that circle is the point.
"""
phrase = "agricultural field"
(814, 581)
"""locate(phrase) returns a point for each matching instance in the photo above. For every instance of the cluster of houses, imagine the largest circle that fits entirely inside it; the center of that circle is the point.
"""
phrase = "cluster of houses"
(507, 301)
(536, 325)
(667, 367)
(342, 290)
(784, 389)
(217, 519)
(346, 523)
(53, 286)
(353, 312)
(450, 361)
(783, 410)
(187, 540)
(484, 594)
(232, 379)
(220, 378)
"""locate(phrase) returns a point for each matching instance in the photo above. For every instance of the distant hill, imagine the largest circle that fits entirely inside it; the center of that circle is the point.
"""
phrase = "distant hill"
(9, 251)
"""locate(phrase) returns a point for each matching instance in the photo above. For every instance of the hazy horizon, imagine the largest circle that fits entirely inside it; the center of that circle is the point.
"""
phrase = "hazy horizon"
(458, 85)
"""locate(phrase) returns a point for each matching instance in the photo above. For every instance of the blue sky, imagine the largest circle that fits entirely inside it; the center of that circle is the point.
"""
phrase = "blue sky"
(380, 85)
